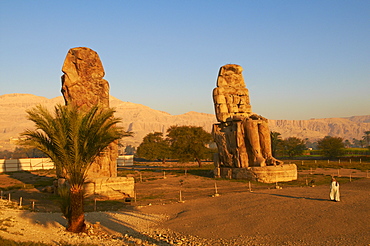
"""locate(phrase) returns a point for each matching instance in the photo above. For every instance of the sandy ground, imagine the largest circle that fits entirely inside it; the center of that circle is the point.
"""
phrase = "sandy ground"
(292, 216)
(288, 216)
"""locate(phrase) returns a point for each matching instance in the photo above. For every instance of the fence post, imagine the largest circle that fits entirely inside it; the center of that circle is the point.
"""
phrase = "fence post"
(180, 200)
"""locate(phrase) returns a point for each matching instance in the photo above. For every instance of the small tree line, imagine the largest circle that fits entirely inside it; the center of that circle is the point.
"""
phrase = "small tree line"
(330, 147)
(185, 143)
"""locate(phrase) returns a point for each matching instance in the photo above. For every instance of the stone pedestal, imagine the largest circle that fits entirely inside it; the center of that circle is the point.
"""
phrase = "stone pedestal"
(110, 188)
(266, 174)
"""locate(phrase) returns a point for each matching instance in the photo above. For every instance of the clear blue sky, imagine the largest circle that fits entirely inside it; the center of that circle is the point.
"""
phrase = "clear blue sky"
(301, 59)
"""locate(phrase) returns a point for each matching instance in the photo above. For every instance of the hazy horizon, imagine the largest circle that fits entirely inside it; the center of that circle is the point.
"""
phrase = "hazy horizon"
(301, 59)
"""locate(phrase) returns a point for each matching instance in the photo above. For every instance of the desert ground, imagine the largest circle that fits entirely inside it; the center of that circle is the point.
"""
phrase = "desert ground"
(262, 215)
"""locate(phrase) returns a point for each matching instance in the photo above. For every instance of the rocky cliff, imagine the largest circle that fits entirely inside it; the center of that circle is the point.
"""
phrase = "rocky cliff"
(141, 120)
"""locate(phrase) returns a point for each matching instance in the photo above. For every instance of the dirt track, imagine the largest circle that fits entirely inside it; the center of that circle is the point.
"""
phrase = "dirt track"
(291, 216)
(266, 216)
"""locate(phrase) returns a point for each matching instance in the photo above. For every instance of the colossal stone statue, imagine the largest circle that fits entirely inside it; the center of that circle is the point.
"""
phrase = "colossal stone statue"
(242, 137)
(84, 86)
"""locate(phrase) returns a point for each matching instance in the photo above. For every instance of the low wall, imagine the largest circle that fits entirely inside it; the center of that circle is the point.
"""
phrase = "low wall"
(31, 164)
(25, 164)
(125, 160)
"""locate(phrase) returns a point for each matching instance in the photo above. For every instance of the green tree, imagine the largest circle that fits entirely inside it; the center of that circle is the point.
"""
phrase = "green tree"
(347, 143)
(331, 147)
(294, 146)
(358, 143)
(154, 147)
(73, 138)
(276, 142)
(189, 143)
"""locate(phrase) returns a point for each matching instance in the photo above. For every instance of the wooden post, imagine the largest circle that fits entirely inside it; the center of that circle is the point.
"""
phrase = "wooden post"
(180, 200)
(135, 196)
(33, 206)
(9, 197)
(95, 205)
(216, 191)
(311, 170)
(338, 173)
(20, 201)
(350, 177)
(339, 161)
(250, 187)
(276, 182)
(164, 174)
(1, 195)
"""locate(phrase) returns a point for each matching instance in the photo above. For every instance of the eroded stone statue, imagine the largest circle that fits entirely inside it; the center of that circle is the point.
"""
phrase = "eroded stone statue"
(84, 86)
(242, 137)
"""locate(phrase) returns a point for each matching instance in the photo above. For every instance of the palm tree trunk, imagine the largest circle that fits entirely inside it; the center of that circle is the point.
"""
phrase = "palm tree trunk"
(76, 221)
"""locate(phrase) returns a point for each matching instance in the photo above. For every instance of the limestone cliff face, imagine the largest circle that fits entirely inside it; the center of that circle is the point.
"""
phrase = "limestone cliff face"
(347, 128)
(142, 120)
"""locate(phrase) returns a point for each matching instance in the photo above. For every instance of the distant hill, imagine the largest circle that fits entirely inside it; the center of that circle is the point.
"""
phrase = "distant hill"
(142, 120)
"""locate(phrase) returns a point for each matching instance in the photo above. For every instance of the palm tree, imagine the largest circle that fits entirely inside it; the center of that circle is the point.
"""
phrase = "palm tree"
(275, 142)
(73, 138)
(366, 137)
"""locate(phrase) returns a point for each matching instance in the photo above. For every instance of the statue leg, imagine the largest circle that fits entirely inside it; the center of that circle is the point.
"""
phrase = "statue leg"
(265, 142)
(265, 138)
(253, 142)
(241, 150)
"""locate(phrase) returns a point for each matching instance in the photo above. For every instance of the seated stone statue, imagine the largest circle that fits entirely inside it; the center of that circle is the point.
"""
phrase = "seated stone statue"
(242, 137)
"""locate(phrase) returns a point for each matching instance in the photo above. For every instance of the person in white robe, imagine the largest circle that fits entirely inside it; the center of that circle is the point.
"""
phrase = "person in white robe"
(334, 190)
